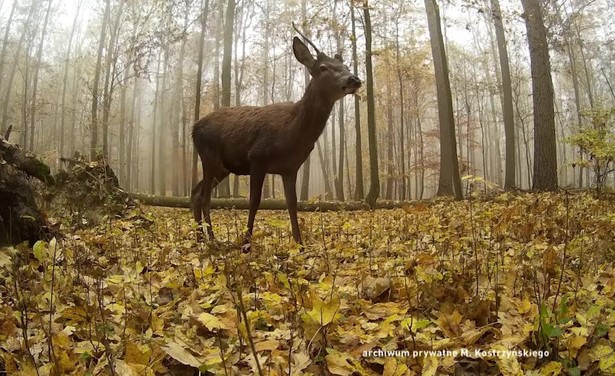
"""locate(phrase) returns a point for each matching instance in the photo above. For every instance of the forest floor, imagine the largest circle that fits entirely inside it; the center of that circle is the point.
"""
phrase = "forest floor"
(521, 284)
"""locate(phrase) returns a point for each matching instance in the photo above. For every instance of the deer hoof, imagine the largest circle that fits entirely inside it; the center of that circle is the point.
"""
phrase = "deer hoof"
(246, 247)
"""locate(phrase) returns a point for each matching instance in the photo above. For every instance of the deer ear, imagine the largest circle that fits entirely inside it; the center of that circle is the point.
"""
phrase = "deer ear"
(302, 53)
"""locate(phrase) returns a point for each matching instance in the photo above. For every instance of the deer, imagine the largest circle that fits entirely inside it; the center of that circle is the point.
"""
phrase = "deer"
(272, 139)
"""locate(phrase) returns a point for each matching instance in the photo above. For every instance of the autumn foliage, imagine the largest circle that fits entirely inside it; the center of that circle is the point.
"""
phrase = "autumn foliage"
(530, 274)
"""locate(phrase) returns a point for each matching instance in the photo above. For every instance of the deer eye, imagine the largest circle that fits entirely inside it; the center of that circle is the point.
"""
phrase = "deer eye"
(323, 68)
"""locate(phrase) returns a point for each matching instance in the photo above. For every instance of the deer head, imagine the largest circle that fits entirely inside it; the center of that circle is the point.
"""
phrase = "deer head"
(329, 74)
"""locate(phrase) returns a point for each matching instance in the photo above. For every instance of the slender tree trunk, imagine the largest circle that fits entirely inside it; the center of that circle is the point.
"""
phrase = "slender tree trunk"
(94, 109)
(305, 174)
(24, 107)
(155, 117)
(134, 113)
(545, 157)
(224, 187)
(162, 134)
(110, 66)
(400, 94)
(506, 97)
(37, 67)
(65, 80)
(122, 136)
(199, 78)
(389, 146)
(178, 174)
(359, 192)
(339, 178)
(17, 54)
(265, 73)
(374, 190)
(5, 43)
(325, 171)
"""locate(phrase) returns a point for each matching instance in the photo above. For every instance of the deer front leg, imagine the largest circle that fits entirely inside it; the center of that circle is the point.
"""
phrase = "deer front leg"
(197, 209)
(290, 191)
(257, 177)
(205, 201)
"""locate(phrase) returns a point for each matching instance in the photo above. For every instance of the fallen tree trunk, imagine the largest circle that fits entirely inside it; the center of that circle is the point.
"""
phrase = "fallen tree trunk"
(266, 204)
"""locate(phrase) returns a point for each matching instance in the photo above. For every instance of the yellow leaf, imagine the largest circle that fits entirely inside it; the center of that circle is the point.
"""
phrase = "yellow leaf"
(121, 368)
(211, 322)
(551, 369)
(339, 363)
(524, 306)
(607, 364)
(177, 352)
(141, 370)
(269, 345)
(393, 368)
(157, 324)
(574, 343)
(508, 365)
(301, 361)
(430, 366)
(600, 351)
(137, 354)
(324, 313)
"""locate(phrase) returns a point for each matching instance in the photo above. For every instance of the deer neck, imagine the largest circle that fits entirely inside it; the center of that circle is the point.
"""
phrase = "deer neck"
(314, 109)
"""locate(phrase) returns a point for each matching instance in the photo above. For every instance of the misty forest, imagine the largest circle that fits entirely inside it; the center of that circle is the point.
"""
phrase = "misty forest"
(452, 164)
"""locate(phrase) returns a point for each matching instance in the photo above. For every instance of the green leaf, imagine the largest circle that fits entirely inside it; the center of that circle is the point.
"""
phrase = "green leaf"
(574, 371)
(601, 329)
(551, 331)
(39, 250)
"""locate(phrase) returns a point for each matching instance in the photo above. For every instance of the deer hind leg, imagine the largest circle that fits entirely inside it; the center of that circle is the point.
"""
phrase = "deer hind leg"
(257, 177)
(210, 181)
(290, 191)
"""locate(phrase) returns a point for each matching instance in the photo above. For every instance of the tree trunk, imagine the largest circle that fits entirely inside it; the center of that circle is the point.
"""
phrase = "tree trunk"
(155, 117)
(9, 82)
(374, 190)
(37, 66)
(268, 204)
(400, 94)
(545, 157)
(199, 79)
(359, 192)
(224, 187)
(339, 178)
(449, 181)
(305, 174)
(506, 97)
(5, 43)
(65, 80)
(109, 86)
(325, 171)
(94, 109)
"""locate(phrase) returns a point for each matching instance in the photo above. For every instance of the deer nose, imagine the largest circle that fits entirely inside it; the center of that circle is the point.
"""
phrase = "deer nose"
(354, 81)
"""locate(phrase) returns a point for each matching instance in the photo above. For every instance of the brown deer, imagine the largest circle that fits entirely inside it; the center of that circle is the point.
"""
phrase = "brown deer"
(274, 139)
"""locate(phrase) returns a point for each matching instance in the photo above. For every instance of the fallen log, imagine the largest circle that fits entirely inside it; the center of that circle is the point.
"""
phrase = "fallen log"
(266, 204)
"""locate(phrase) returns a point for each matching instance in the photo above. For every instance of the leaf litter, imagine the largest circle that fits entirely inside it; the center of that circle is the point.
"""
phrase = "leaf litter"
(521, 284)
